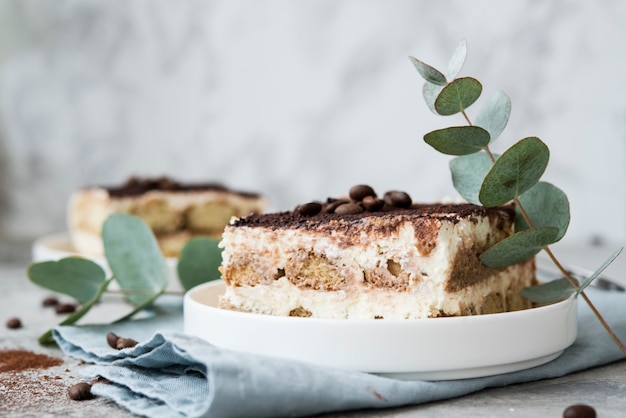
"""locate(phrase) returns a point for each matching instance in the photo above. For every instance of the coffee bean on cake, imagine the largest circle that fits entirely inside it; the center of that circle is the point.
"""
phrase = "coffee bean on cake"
(334, 204)
(361, 191)
(372, 203)
(397, 199)
(309, 209)
(348, 209)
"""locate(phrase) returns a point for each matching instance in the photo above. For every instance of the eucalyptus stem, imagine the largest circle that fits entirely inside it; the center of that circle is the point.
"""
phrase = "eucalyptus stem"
(556, 262)
(587, 300)
(144, 292)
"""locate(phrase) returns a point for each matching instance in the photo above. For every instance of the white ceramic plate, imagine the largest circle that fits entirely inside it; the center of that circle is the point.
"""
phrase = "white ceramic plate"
(57, 246)
(427, 349)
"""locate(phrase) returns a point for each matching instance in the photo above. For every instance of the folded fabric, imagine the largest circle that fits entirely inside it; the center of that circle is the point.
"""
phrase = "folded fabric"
(174, 375)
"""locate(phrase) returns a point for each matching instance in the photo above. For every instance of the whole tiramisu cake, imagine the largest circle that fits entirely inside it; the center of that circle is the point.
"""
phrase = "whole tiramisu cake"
(369, 258)
(176, 212)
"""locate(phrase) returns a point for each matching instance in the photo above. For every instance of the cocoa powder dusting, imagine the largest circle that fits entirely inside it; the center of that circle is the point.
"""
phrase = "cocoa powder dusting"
(23, 388)
(19, 360)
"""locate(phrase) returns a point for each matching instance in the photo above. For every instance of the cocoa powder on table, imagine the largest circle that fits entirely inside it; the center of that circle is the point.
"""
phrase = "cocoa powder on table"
(19, 360)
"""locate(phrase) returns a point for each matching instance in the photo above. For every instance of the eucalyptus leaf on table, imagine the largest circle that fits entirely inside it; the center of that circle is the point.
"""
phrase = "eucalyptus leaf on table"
(134, 257)
(74, 276)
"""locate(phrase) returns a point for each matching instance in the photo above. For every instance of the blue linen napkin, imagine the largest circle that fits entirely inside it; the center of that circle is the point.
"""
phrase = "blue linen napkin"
(174, 375)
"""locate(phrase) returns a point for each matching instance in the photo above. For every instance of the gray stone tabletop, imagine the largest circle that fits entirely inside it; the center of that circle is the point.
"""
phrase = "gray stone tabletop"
(43, 393)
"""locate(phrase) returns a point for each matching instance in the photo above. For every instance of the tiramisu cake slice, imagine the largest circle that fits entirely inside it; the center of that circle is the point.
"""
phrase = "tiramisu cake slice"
(370, 258)
(176, 212)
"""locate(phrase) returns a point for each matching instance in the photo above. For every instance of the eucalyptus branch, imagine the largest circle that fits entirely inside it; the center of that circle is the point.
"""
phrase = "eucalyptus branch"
(483, 179)
(556, 262)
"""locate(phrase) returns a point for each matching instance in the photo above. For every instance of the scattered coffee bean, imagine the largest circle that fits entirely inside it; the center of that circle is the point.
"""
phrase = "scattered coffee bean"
(123, 343)
(331, 206)
(80, 392)
(14, 323)
(397, 199)
(348, 209)
(50, 301)
(309, 209)
(112, 340)
(64, 308)
(361, 191)
(579, 411)
(373, 204)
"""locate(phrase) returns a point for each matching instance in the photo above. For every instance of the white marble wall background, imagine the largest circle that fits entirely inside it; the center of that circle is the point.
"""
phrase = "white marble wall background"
(299, 99)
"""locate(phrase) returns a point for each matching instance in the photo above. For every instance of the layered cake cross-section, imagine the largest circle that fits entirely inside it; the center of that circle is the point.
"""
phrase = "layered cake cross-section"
(363, 257)
(175, 211)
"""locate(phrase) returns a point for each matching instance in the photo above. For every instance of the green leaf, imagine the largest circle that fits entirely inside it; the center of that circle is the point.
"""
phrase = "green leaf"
(73, 276)
(545, 205)
(494, 115)
(134, 256)
(46, 337)
(430, 93)
(457, 96)
(199, 261)
(519, 247)
(516, 171)
(549, 292)
(457, 60)
(468, 173)
(458, 140)
(430, 74)
(599, 271)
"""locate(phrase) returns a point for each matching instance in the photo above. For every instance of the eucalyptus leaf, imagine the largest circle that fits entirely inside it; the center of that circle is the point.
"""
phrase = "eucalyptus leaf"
(46, 337)
(458, 95)
(519, 247)
(545, 205)
(134, 257)
(74, 276)
(430, 74)
(599, 271)
(430, 93)
(199, 261)
(468, 173)
(494, 115)
(458, 140)
(457, 60)
(549, 292)
(516, 171)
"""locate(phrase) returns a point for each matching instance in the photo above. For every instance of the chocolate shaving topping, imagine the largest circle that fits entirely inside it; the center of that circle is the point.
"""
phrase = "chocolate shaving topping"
(136, 186)
(349, 211)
